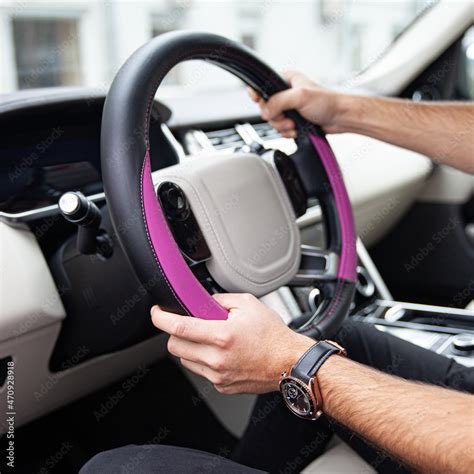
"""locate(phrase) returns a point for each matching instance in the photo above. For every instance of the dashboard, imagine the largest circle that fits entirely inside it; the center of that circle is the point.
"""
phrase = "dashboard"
(51, 144)
(56, 300)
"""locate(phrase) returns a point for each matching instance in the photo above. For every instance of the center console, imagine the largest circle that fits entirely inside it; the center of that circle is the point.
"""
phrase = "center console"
(447, 331)
(444, 330)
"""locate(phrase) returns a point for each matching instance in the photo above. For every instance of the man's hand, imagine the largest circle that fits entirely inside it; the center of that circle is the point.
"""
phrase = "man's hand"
(441, 130)
(244, 354)
(313, 102)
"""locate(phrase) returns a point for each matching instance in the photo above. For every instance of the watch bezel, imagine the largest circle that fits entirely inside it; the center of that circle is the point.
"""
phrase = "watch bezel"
(315, 411)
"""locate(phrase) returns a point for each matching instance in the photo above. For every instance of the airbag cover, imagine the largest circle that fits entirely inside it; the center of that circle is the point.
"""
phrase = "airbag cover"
(245, 216)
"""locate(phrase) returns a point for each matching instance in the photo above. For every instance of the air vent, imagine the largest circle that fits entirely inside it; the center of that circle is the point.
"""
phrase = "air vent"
(229, 139)
(266, 132)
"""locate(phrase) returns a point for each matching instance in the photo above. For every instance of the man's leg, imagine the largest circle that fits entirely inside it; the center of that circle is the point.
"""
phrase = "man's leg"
(157, 458)
(277, 441)
(390, 354)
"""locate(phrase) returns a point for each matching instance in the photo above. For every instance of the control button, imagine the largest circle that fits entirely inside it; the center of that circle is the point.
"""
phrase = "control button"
(182, 222)
(364, 283)
(174, 201)
(69, 203)
(463, 342)
(291, 180)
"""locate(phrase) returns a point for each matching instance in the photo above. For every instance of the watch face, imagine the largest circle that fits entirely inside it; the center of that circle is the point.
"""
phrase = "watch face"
(298, 397)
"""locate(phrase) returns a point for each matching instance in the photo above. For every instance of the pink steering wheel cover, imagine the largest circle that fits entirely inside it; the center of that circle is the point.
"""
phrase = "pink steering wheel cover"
(182, 281)
(348, 257)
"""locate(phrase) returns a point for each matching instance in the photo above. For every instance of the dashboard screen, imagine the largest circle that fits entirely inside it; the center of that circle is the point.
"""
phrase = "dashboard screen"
(36, 176)
(53, 148)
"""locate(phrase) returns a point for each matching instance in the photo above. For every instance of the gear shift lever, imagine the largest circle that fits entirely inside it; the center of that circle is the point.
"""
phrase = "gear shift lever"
(81, 211)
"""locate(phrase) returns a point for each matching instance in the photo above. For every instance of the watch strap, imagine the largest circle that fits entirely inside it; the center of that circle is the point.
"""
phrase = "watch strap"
(312, 359)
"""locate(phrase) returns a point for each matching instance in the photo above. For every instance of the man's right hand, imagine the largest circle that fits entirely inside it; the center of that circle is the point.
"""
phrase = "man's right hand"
(313, 102)
(440, 130)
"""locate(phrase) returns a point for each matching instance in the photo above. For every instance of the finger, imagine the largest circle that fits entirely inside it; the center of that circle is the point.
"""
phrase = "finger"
(186, 327)
(289, 134)
(193, 351)
(261, 104)
(232, 301)
(279, 118)
(234, 388)
(292, 76)
(254, 95)
(202, 370)
(283, 125)
(280, 102)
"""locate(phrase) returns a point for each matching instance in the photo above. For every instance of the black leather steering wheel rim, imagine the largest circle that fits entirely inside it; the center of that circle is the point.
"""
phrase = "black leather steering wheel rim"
(135, 212)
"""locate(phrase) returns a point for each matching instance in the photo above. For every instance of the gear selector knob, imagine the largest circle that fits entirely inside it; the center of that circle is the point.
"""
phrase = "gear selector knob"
(463, 342)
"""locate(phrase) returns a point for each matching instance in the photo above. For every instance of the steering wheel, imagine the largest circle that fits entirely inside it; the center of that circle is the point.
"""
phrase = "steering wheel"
(239, 209)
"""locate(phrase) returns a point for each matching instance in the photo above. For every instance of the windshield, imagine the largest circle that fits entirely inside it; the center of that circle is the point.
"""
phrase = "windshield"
(83, 43)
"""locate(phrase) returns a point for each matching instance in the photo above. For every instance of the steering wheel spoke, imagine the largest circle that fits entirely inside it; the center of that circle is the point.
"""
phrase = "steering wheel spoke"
(316, 264)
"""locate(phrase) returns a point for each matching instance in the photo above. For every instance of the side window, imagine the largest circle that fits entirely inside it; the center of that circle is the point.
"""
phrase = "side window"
(46, 52)
(450, 77)
(167, 21)
(465, 79)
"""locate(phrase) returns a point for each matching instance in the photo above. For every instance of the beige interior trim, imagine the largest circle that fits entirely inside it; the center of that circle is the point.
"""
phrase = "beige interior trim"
(417, 48)
(28, 296)
(339, 459)
(38, 391)
(382, 180)
(448, 185)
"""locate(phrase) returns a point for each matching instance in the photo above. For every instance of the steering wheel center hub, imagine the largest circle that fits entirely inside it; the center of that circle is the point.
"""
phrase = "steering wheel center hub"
(245, 217)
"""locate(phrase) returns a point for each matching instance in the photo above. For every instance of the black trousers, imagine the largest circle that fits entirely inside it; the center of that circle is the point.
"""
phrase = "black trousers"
(277, 441)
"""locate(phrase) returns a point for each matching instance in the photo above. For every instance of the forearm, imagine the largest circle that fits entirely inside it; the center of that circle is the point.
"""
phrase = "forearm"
(427, 427)
(442, 131)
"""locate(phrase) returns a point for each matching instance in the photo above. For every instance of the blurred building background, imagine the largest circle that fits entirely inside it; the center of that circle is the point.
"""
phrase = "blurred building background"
(84, 42)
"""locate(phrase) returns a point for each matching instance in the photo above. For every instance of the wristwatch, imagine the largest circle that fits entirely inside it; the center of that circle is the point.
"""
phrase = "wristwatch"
(299, 386)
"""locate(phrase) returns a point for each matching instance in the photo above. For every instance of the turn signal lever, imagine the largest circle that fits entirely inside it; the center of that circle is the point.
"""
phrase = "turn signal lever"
(91, 240)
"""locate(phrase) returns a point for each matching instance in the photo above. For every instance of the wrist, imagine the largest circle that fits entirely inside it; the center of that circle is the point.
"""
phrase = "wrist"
(299, 347)
(346, 109)
(295, 348)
